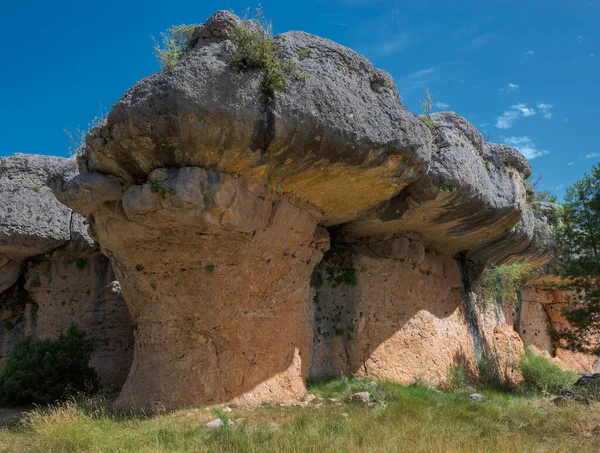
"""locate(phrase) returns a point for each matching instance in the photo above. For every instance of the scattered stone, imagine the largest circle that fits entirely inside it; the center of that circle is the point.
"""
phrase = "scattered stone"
(226, 409)
(189, 414)
(309, 398)
(476, 398)
(217, 423)
(362, 397)
(372, 384)
(594, 379)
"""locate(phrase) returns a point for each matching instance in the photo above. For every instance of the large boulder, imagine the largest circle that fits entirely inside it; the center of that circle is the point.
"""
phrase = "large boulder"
(337, 137)
(52, 273)
(33, 220)
(472, 194)
(205, 190)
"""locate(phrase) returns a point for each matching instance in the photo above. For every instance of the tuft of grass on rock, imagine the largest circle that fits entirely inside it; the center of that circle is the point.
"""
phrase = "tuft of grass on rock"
(256, 49)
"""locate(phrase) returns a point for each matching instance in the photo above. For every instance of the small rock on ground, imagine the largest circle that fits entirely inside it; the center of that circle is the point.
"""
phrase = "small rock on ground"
(476, 397)
(362, 397)
(217, 423)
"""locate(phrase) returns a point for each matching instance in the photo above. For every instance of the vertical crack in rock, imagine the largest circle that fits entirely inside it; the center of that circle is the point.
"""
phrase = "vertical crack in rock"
(518, 311)
(470, 303)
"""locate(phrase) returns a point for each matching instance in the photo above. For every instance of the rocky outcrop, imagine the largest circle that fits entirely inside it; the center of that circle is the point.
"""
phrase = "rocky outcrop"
(466, 201)
(211, 196)
(389, 310)
(541, 318)
(53, 273)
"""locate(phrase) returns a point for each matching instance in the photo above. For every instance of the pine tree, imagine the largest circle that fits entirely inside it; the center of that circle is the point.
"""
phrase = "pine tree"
(578, 240)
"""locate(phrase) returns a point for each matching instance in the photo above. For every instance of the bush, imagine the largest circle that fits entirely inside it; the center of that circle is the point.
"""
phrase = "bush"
(174, 42)
(501, 282)
(490, 376)
(456, 377)
(256, 49)
(540, 375)
(43, 371)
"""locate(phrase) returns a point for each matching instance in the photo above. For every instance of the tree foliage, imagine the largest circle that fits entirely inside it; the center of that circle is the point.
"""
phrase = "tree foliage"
(578, 240)
(43, 371)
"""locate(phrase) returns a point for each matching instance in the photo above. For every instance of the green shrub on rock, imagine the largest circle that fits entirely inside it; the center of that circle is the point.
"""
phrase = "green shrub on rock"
(541, 375)
(43, 371)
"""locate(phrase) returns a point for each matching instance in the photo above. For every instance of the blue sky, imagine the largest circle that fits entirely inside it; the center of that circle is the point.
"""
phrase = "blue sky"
(524, 72)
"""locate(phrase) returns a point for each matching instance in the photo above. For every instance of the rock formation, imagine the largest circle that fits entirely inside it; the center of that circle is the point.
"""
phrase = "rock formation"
(264, 237)
(51, 273)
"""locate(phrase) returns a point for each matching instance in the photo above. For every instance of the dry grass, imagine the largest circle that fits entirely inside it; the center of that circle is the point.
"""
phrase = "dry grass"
(411, 418)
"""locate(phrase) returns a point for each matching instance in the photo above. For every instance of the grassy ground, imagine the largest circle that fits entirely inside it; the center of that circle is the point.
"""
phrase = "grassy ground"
(411, 419)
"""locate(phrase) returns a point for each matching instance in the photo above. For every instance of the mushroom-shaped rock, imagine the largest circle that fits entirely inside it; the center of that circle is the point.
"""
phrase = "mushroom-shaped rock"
(337, 136)
(216, 276)
(465, 200)
(223, 185)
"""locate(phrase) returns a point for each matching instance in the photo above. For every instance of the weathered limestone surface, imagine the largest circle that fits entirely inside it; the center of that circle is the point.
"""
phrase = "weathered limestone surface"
(465, 201)
(338, 137)
(541, 314)
(403, 320)
(53, 273)
(211, 198)
(216, 277)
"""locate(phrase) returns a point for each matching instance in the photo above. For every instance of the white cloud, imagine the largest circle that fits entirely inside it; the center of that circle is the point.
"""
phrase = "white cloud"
(484, 124)
(526, 146)
(510, 116)
(592, 155)
(592, 55)
(442, 105)
(529, 53)
(545, 110)
(525, 111)
(510, 88)
(571, 163)
(580, 39)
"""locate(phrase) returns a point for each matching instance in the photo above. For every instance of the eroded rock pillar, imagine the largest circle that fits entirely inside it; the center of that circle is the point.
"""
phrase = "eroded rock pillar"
(216, 276)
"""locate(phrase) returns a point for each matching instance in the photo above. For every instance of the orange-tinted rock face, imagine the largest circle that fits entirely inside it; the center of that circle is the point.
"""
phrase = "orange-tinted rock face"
(541, 314)
(64, 288)
(218, 290)
(403, 320)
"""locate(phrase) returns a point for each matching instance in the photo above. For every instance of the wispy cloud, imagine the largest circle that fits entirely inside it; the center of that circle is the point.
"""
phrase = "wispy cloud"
(510, 88)
(526, 146)
(580, 39)
(394, 45)
(592, 155)
(417, 79)
(442, 105)
(545, 110)
(510, 116)
(529, 53)
(478, 42)
(592, 55)
(571, 163)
